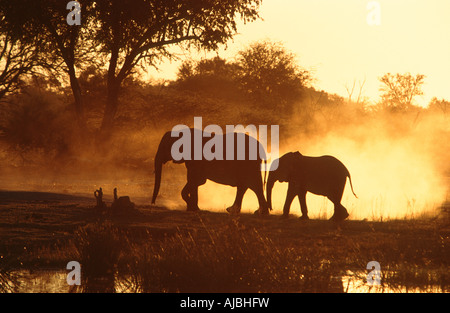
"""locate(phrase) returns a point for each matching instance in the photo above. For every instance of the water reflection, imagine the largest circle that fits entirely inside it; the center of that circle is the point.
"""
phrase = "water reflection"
(40, 281)
(55, 282)
(354, 282)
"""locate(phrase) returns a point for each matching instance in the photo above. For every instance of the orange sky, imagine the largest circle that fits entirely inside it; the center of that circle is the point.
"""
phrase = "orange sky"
(333, 39)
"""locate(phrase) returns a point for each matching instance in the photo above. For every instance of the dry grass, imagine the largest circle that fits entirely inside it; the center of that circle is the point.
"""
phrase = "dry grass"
(230, 259)
(232, 255)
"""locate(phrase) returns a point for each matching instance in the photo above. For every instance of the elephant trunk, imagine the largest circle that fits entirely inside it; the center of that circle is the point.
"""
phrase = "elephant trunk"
(158, 171)
(270, 182)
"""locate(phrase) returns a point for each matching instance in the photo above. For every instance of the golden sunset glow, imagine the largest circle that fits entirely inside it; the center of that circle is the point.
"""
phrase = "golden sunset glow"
(334, 40)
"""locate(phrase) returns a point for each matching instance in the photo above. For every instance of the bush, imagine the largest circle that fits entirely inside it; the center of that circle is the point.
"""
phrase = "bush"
(37, 121)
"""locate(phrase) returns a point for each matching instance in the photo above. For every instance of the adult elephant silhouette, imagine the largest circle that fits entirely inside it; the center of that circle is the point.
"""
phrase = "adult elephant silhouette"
(324, 175)
(243, 172)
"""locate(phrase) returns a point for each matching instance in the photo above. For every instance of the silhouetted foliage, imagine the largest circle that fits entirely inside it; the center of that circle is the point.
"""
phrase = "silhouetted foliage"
(399, 90)
(214, 77)
(20, 48)
(124, 35)
(92, 82)
(140, 33)
(264, 78)
(64, 49)
(270, 74)
(16, 59)
(39, 120)
(441, 106)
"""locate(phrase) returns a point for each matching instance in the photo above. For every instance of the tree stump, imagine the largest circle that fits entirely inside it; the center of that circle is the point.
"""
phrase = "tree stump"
(121, 204)
(101, 205)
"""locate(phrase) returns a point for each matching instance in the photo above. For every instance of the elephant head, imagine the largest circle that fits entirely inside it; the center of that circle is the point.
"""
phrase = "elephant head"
(163, 155)
(281, 170)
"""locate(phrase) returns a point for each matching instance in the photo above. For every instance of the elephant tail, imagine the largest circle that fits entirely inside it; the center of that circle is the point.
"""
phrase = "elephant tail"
(351, 185)
(265, 174)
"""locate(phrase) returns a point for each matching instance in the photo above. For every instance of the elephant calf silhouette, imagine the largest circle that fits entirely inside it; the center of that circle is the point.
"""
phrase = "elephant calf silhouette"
(324, 175)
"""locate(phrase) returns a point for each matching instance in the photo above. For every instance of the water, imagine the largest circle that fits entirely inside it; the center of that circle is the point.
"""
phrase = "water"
(39, 282)
(352, 283)
(54, 281)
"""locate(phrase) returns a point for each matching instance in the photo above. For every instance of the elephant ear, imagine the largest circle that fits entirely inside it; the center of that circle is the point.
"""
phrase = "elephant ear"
(296, 169)
(292, 166)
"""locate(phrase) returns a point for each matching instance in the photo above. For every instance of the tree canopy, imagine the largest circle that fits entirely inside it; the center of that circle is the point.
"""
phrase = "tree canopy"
(265, 73)
(269, 72)
(121, 35)
(399, 90)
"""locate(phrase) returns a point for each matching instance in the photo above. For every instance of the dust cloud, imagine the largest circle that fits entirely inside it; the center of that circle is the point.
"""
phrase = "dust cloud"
(398, 165)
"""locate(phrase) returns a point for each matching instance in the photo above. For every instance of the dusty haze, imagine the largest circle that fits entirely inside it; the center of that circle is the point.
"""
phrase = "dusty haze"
(398, 162)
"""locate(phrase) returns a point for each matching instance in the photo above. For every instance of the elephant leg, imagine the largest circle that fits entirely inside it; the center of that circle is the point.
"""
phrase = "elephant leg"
(236, 207)
(344, 213)
(340, 212)
(193, 203)
(289, 198)
(185, 194)
(258, 190)
(190, 196)
(302, 199)
(190, 191)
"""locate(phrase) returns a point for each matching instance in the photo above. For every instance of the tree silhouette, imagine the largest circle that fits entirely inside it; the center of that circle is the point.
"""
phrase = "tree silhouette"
(141, 33)
(215, 77)
(270, 74)
(206, 67)
(399, 90)
(264, 74)
(62, 48)
(16, 59)
(439, 105)
(122, 35)
(19, 50)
